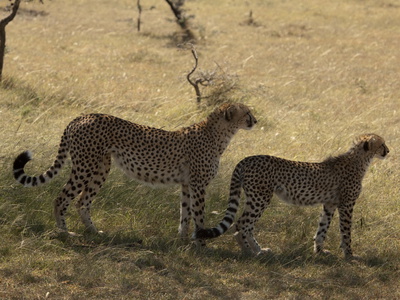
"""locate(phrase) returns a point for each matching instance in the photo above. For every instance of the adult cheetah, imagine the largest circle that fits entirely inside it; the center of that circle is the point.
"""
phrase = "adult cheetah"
(335, 183)
(189, 157)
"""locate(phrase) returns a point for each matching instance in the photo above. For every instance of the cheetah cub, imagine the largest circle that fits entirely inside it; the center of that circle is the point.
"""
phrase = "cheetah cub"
(189, 157)
(335, 183)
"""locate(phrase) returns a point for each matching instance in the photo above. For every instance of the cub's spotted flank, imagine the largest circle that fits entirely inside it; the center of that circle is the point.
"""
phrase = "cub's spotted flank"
(189, 157)
(335, 183)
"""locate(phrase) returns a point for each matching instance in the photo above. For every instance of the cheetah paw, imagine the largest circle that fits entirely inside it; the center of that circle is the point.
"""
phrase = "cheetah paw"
(264, 251)
(323, 253)
(353, 258)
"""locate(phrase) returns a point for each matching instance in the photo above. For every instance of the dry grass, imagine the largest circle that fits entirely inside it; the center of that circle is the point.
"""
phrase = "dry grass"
(317, 74)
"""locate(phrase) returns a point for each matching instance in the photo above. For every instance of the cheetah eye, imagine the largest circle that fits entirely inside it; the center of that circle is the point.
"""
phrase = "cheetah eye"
(366, 146)
(385, 150)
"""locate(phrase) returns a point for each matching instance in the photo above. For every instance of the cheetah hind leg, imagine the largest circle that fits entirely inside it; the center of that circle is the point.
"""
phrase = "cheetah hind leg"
(244, 244)
(92, 188)
(255, 246)
(249, 244)
(83, 207)
(239, 239)
(245, 228)
(70, 190)
(185, 213)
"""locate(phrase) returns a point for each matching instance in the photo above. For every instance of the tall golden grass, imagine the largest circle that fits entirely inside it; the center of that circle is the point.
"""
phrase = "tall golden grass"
(317, 74)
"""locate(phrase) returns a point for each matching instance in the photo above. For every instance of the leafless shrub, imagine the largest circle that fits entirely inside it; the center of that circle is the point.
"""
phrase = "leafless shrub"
(250, 21)
(139, 14)
(219, 84)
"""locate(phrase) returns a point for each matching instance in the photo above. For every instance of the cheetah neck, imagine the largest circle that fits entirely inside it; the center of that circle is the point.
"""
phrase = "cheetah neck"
(219, 131)
(353, 160)
(222, 135)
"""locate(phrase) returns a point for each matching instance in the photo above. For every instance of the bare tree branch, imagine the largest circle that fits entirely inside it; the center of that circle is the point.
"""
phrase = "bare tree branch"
(140, 13)
(178, 13)
(196, 83)
(181, 19)
(218, 82)
(3, 24)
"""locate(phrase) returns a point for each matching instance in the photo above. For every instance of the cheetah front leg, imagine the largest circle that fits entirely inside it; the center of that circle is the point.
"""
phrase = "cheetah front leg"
(345, 219)
(197, 195)
(185, 212)
(324, 223)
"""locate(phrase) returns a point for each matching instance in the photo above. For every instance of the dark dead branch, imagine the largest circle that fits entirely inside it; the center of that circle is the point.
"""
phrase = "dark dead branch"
(181, 19)
(3, 23)
(195, 84)
(139, 14)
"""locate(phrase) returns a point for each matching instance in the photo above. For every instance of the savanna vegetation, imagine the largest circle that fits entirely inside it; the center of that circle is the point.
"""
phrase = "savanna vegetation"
(316, 73)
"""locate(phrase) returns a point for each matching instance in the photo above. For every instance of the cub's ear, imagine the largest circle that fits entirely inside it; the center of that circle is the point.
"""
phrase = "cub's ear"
(366, 146)
(229, 113)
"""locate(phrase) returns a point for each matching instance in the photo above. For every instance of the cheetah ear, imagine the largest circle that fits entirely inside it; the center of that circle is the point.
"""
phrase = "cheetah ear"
(366, 146)
(229, 113)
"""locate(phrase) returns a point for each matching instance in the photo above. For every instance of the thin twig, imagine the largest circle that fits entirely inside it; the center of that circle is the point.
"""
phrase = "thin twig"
(195, 84)
(140, 13)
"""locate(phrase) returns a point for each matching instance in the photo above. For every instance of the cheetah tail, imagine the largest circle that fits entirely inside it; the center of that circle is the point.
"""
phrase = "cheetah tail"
(230, 213)
(28, 181)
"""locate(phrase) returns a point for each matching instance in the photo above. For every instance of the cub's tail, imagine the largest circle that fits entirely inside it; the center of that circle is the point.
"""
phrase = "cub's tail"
(28, 181)
(233, 205)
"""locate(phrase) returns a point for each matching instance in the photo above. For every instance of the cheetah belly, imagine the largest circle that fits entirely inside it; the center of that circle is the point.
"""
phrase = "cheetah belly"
(153, 174)
(304, 195)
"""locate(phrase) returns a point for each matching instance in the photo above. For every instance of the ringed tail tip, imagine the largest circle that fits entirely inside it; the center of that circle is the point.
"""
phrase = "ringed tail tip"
(204, 234)
(200, 234)
(22, 160)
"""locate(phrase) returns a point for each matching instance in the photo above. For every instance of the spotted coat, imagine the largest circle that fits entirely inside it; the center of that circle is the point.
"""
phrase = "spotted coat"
(335, 183)
(189, 157)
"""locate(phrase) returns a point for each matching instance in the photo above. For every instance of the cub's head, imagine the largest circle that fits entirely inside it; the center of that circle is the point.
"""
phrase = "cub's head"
(238, 115)
(373, 143)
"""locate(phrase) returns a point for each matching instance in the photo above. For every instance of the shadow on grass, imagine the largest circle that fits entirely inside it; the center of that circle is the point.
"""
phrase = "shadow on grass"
(173, 40)
(84, 243)
(289, 259)
(129, 240)
(24, 90)
(34, 96)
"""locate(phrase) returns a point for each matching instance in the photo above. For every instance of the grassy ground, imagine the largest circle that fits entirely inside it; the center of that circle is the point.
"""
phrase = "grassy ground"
(317, 74)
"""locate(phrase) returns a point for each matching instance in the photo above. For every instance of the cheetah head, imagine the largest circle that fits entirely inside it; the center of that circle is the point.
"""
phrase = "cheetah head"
(239, 115)
(375, 144)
